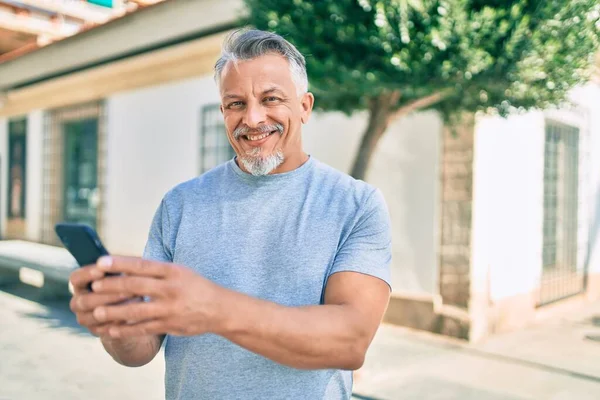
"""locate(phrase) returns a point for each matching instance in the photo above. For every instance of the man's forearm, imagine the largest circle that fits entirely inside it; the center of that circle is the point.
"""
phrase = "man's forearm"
(133, 352)
(311, 337)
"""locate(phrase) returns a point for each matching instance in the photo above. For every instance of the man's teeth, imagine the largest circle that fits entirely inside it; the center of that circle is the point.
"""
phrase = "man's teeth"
(257, 137)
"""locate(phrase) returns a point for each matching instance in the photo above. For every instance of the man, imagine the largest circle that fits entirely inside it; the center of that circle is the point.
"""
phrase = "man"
(268, 275)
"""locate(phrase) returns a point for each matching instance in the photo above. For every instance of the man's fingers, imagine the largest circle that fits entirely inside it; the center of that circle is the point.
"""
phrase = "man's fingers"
(89, 301)
(135, 285)
(102, 330)
(81, 277)
(86, 319)
(153, 327)
(133, 312)
(134, 266)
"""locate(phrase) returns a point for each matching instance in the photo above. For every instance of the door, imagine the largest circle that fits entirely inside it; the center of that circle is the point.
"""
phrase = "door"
(17, 178)
(81, 171)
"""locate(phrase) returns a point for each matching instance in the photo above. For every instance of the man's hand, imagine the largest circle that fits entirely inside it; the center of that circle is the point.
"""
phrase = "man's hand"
(181, 301)
(84, 301)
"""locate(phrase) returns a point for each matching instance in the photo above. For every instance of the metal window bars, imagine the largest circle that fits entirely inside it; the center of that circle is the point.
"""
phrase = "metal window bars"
(214, 146)
(563, 274)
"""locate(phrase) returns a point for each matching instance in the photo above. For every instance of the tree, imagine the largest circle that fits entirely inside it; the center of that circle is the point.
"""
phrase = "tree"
(392, 57)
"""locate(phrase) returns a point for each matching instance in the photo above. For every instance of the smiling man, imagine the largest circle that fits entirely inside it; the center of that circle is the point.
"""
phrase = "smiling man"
(268, 275)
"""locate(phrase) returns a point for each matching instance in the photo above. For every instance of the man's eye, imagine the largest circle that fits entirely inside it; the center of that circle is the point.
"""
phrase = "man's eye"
(271, 99)
(235, 104)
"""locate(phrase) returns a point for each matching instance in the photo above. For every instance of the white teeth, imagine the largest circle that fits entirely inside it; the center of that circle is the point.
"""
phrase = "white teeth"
(259, 137)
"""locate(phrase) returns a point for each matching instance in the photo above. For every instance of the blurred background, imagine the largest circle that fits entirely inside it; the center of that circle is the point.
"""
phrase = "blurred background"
(479, 121)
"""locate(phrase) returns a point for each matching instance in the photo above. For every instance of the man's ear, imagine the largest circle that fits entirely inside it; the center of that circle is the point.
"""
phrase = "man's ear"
(307, 102)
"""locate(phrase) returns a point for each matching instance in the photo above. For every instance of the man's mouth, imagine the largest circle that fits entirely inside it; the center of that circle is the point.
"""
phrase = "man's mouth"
(256, 137)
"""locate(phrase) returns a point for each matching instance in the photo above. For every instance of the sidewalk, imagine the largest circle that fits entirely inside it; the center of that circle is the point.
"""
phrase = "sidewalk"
(553, 360)
(45, 355)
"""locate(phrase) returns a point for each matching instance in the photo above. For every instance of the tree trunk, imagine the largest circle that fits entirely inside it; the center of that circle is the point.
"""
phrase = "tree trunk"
(380, 112)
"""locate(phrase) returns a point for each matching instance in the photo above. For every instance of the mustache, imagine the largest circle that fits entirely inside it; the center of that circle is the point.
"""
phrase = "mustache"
(244, 130)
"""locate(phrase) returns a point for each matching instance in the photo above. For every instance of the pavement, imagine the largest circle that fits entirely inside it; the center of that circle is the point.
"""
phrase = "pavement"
(45, 355)
(553, 360)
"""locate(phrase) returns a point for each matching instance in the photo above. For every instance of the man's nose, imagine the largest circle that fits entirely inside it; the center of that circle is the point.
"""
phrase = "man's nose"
(255, 115)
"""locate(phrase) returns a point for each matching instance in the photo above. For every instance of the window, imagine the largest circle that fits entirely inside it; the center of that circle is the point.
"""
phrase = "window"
(560, 275)
(214, 146)
(17, 168)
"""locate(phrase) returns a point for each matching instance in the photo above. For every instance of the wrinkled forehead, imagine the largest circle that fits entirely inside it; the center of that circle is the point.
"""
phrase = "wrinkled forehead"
(256, 75)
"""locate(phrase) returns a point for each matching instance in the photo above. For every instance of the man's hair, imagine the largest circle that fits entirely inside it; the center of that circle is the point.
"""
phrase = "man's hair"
(247, 44)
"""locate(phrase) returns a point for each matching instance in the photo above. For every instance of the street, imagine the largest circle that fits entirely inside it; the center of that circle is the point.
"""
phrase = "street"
(45, 355)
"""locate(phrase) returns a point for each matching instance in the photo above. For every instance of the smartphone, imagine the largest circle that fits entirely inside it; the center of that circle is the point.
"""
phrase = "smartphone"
(82, 242)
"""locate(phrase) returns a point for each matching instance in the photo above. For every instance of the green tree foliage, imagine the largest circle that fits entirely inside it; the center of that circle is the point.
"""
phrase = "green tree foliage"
(392, 57)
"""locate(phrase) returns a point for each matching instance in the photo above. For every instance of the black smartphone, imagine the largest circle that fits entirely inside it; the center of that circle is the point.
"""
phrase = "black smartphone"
(82, 242)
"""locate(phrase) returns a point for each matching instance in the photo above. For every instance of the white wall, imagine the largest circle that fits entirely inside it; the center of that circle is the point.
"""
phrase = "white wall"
(4, 173)
(33, 206)
(152, 146)
(406, 168)
(33, 199)
(589, 97)
(333, 138)
(508, 204)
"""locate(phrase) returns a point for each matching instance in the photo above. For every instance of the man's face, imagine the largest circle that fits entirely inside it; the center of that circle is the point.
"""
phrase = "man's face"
(263, 113)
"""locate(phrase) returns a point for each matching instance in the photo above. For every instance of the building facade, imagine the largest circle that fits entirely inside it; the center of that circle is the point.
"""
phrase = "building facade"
(490, 226)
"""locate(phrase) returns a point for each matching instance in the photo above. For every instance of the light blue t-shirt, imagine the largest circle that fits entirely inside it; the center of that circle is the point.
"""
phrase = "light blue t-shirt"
(278, 238)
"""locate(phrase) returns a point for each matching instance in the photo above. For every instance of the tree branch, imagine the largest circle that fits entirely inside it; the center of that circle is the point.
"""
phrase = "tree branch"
(420, 103)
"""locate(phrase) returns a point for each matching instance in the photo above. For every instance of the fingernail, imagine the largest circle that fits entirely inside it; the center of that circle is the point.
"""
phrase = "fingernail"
(105, 262)
(96, 286)
(100, 314)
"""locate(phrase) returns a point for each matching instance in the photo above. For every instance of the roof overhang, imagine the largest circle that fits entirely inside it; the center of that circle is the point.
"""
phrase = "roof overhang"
(158, 27)
(174, 63)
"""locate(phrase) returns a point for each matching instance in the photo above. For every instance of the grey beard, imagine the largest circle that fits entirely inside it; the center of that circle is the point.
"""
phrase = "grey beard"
(259, 166)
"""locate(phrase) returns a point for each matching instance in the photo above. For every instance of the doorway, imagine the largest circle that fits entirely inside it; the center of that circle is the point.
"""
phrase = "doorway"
(81, 172)
(74, 154)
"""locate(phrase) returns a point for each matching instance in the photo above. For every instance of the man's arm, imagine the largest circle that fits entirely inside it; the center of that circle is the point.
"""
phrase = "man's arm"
(334, 335)
(338, 333)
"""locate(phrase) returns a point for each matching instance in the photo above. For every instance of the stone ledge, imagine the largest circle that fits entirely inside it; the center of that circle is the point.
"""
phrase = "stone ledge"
(426, 312)
(41, 265)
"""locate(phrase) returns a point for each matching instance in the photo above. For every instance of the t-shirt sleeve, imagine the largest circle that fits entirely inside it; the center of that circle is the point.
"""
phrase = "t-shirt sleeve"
(368, 247)
(158, 246)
